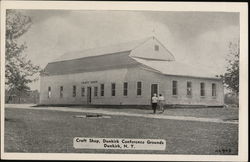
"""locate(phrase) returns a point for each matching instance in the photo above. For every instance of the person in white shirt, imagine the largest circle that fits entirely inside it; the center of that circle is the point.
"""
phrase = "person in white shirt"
(161, 100)
(154, 102)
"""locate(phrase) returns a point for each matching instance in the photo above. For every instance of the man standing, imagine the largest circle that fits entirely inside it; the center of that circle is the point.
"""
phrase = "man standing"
(154, 102)
(161, 102)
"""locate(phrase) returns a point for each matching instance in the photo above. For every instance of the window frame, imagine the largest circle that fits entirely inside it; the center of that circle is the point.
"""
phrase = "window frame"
(202, 89)
(214, 90)
(74, 91)
(49, 92)
(113, 90)
(83, 91)
(61, 91)
(95, 91)
(102, 89)
(125, 89)
(189, 90)
(138, 89)
(175, 88)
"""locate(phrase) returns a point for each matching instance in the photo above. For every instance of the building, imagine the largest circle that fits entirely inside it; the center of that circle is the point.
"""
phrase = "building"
(127, 74)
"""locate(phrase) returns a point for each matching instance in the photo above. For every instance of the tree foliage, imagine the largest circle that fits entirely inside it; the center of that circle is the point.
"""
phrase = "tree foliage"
(18, 69)
(231, 77)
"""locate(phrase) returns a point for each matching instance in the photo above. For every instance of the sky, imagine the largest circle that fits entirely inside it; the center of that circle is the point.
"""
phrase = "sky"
(197, 38)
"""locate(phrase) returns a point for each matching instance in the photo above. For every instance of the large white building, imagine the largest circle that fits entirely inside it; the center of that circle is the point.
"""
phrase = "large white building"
(127, 74)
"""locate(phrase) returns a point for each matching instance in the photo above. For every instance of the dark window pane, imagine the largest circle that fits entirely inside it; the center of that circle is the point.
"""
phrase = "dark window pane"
(213, 89)
(95, 91)
(156, 48)
(202, 89)
(189, 88)
(113, 89)
(74, 91)
(102, 89)
(139, 88)
(125, 88)
(174, 87)
(61, 91)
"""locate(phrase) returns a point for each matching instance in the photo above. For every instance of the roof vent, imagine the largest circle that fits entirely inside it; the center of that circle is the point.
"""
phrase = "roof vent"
(156, 47)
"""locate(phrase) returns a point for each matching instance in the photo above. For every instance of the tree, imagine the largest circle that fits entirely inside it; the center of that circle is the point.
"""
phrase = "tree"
(231, 77)
(18, 69)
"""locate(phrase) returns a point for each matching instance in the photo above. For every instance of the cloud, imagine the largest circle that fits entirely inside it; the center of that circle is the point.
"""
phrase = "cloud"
(197, 39)
(39, 16)
(80, 30)
(210, 48)
(189, 24)
(51, 37)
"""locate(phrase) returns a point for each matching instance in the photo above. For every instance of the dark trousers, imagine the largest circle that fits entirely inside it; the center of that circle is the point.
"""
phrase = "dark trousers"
(154, 105)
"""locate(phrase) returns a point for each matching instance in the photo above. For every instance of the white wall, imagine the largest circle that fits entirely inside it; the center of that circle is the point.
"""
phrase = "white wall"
(147, 50)
(130, 75)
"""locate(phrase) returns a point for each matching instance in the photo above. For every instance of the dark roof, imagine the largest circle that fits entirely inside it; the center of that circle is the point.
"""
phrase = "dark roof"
(102, 62)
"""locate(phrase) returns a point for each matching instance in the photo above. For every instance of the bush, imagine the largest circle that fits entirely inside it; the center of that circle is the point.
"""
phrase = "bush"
(231, 99)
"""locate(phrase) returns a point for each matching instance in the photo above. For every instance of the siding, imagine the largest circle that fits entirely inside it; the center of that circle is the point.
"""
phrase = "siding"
(130, 75)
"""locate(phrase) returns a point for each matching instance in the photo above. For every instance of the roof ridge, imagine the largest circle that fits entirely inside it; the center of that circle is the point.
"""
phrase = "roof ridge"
(89, 57)
(113, 44)
(127, 42)
(143, 42)
(121, 45)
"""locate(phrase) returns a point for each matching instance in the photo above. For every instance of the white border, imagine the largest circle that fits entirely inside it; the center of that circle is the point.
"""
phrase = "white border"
(156, 6)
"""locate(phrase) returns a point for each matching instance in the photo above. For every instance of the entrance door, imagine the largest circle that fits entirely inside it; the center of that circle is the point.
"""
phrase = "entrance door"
(154, 89)
(89, 95)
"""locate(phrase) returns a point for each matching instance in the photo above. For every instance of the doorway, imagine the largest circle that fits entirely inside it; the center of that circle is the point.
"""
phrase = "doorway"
(88, 95)
(154, 89)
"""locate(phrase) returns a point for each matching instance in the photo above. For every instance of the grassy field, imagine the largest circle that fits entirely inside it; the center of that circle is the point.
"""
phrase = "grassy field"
(218, 113)
(44, 131)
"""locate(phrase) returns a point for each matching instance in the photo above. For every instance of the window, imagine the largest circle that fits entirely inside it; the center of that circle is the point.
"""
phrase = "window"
(174, 86)
(202, 89)
(125, 88)
(139, 85)
(61, 91)
(74, 91)
(113, 89)
(102, 90)
(213, 89)
(189, 88)
(156, 48)
(95, 91)
(83, 92)
(49, 92)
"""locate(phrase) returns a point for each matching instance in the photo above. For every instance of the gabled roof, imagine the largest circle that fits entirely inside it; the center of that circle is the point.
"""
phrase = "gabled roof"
(177, 68)
(115, 48)
(123, 56)
(152, 49)
(94, 63)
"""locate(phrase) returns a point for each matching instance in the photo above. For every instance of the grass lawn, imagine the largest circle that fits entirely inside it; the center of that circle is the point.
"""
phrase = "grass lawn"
(218, 113)
(44, 131)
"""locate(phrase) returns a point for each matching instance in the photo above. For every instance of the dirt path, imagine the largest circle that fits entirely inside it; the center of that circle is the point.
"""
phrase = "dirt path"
(110, 112)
